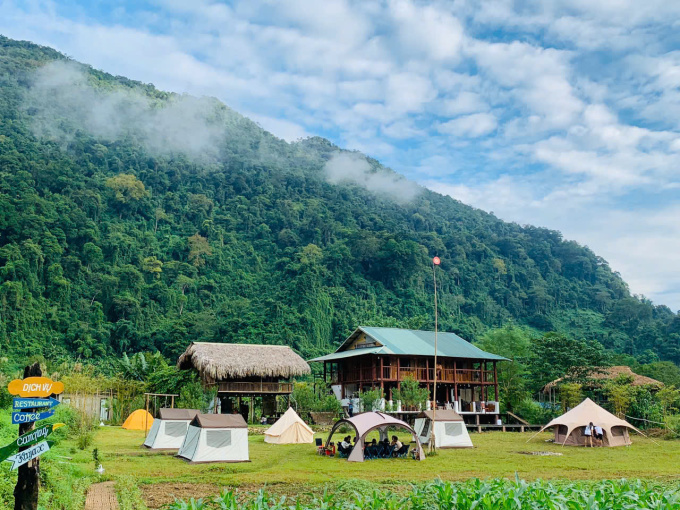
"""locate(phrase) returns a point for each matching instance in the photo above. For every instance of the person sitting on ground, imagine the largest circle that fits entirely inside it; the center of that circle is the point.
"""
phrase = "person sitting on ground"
(371, 449)
(588, 432)
(396, 445)
(345, 446)
(385, 449)
(599, 435)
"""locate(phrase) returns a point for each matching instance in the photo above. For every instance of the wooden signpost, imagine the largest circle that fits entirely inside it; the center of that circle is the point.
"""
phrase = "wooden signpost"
(24, 453)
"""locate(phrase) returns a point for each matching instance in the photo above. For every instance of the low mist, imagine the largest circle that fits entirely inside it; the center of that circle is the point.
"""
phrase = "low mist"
(62, 100)
(346, 167)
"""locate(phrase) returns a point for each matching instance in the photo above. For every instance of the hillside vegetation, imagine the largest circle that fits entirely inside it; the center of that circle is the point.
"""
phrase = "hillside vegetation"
(134, 220)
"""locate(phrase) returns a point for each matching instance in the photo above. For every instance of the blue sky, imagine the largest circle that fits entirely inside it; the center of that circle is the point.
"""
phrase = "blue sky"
(564, 114)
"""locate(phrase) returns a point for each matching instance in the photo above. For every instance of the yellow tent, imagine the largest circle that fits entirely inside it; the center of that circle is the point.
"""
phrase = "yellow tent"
(138, 420)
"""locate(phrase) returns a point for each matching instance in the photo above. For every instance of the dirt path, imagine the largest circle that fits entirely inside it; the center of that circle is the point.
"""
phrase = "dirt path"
(101, 496)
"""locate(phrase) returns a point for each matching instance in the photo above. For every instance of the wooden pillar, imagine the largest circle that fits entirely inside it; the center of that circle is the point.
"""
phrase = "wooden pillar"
(324, 372)
(28, 479)
(382, 375)
(495, 380)
(398, 372)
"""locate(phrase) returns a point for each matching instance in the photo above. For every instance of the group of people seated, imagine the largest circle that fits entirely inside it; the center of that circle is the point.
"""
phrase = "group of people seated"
(594, 431)
(375, 449)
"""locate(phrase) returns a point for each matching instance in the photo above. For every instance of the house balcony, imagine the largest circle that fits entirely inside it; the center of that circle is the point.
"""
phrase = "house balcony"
(254, 388)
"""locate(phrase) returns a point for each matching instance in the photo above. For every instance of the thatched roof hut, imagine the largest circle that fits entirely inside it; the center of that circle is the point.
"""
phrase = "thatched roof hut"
(220, 362)
(597, 376)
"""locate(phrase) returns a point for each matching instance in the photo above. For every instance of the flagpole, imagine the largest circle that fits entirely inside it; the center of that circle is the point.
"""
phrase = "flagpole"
(435, 262)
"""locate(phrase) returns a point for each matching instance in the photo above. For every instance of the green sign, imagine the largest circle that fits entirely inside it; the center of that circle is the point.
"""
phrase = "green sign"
(29, 439)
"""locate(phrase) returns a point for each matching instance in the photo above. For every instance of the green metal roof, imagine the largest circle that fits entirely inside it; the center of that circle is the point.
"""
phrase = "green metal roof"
(349, 354)
(412, 343)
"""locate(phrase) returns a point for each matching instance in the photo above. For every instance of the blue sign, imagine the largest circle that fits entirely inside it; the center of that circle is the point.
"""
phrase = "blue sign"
(32, 403)
(19, 418)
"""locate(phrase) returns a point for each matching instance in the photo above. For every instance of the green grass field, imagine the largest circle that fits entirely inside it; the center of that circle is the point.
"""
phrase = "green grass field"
(293, 469)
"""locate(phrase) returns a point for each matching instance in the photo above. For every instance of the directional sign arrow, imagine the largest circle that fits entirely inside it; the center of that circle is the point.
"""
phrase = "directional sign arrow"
(32, 403)
(21, 458)
(19, 418)
(28, 439)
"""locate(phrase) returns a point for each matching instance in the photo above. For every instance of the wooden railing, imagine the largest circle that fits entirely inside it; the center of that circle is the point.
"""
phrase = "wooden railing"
(254, 387)
(392, 373)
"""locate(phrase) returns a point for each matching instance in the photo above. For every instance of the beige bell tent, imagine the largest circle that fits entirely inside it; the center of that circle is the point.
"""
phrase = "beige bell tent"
(289, 429)
(449, 429)
(570, 426)
(169, 429)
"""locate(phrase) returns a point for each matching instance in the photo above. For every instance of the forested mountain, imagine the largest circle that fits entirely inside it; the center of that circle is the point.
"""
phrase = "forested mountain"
(133, 219)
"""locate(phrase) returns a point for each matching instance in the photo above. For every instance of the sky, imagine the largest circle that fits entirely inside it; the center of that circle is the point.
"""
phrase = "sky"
(562, 114)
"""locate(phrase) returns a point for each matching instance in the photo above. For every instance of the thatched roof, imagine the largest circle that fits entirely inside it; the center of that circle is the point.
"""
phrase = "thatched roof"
(220, 362)
(610, 373)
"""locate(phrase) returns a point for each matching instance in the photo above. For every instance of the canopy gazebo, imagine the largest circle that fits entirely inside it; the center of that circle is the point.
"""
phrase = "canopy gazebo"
(365, 423)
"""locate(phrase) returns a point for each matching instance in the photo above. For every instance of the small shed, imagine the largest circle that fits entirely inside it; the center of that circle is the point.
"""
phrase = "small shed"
(449, 429)
(216, 438)
(289, 429)
(169, 429)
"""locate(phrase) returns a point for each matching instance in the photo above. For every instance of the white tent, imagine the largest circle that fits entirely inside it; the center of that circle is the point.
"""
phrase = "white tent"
(569, 428)
(169, 429)
(216, 438)
(289, 429)
(449, 429)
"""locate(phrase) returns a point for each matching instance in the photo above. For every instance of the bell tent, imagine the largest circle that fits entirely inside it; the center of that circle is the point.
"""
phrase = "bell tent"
(216, 438)
(138, 420)
(449, 429)
(289, 429)
(365, 423)
(169, 429)
(569, 428)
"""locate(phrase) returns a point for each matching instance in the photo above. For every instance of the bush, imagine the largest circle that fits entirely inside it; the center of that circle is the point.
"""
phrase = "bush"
(536, 413)
(372, 399)
(411, 395)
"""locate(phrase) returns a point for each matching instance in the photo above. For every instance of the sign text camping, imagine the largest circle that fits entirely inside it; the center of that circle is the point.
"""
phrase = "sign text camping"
(21, 458)
(35, 387)
(31, 438)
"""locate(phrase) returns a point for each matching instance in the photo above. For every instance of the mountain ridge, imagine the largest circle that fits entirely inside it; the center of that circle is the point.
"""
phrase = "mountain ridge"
(131, 231)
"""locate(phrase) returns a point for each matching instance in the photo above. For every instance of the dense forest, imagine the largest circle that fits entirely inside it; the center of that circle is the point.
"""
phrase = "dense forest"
(133, 219)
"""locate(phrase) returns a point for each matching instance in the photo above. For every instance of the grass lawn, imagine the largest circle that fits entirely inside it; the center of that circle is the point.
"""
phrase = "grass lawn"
(292, 469)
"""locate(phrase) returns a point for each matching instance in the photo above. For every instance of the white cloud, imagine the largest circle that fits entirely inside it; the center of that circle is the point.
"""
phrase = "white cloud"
(528, 109)
(470, 126)
(347, 167)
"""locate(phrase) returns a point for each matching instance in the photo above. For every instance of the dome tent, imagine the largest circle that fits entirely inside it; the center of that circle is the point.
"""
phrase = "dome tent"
(449, 429)
(289, 429)
(169, 429)
(138, 420)
(570, 426)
